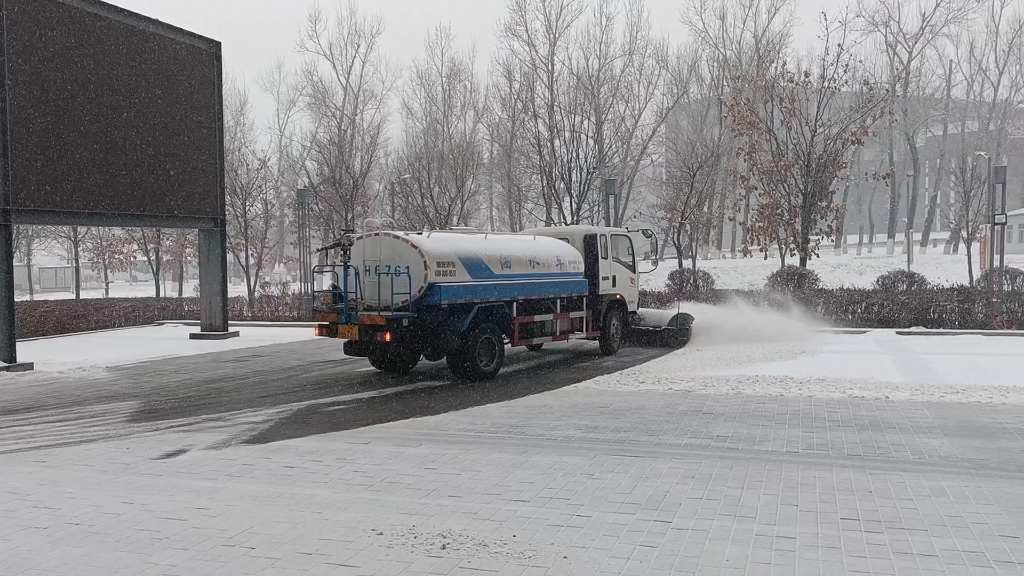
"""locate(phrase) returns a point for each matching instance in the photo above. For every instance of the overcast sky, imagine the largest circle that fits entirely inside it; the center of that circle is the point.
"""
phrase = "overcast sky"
(255, 32)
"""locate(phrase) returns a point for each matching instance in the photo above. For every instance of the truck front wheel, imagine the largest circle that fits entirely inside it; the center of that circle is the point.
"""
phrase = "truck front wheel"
(481, 356)
(613, 331)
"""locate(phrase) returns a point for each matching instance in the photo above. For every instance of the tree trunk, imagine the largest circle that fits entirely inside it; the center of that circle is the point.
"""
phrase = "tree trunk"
(970, 264)
(841, 228)
(746, 217)
(894, 201)
(940, 163)
(732, 235)
(28, 267)
(953, 242)
(156, 270)
(915, 181)
(76, 242)
(181, 276)
(860, 239)
(871, 219)
(106, 275)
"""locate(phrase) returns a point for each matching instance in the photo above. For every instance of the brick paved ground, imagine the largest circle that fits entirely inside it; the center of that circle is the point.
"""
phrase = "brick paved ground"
(571, 481)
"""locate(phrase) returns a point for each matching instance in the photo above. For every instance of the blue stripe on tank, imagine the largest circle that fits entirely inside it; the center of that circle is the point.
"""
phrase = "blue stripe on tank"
(479, 270)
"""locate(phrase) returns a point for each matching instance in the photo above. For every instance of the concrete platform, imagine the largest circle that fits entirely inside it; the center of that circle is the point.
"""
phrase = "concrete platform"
(213, 335)
(18, 367)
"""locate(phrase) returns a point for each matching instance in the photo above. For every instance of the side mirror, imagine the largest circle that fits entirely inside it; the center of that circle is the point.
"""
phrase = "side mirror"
(646, 244)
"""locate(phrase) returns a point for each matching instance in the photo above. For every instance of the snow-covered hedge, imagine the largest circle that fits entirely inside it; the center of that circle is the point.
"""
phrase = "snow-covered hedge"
(54, 317)
(959, 307)
(900, 280)
(793, 279)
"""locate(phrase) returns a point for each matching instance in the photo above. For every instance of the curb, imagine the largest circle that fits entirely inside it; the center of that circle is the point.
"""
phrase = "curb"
(991, 333)
(245, 324)
(86, 333)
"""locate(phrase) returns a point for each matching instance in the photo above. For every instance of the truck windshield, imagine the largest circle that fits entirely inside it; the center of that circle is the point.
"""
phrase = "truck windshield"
(622, 252)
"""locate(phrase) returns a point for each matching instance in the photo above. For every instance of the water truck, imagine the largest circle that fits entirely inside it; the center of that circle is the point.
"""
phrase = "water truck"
(463, 295)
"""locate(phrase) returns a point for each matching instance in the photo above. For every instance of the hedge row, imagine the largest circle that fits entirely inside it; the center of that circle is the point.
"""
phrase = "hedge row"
(54, 317)
(955, 308)
(960, 308)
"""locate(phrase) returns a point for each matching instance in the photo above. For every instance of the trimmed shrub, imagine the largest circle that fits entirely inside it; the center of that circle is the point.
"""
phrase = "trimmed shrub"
(793, 279)
(657, 299)
(1013, 279)
(900, 280)
(38, 318)
(680, 283)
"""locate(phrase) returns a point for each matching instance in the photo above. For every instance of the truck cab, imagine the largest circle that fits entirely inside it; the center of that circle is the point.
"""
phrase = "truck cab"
(610, 258)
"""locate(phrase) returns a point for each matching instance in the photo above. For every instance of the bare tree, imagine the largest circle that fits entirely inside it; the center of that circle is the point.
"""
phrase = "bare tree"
(969, 179)
(249, 190)
(347, 87)
(73, 237)
(694, 143)
(739, 36)
(442, 148)
(28, 241)
(940, 167)
(109, 251)
(511, 162)
(794, 138)
(151, 243)
(905, 34)
(285, 90)
(539, 35)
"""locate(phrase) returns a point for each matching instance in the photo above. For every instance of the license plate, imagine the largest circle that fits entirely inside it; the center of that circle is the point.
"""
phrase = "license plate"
(348, 332)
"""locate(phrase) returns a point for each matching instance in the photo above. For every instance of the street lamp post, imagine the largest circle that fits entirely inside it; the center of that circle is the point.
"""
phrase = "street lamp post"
(991, 229)
(998, 176)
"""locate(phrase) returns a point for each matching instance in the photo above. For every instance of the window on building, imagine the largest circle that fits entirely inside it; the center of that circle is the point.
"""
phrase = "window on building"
(1009, 233)
(1020, 233)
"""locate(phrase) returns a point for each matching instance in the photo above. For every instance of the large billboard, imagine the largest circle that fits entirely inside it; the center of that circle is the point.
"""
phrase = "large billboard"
(113, 118)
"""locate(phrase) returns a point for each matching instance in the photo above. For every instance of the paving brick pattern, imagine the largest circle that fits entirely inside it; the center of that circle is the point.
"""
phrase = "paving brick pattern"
(568, 482)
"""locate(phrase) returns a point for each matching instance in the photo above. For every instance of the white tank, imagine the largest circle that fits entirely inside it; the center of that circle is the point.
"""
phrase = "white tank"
(450, 257)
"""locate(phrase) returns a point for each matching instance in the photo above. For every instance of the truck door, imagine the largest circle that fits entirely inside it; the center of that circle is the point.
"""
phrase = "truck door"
(624, 279)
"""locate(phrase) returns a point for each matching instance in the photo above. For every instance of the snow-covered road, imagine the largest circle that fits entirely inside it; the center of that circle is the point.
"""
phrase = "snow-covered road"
(738, 349)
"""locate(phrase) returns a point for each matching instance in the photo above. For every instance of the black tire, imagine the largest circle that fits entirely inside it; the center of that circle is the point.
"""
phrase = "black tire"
(481, 356)
(401, 363)
(394, 362)
(535, 347)
(435, 355)
(378, 359)
(613, 331)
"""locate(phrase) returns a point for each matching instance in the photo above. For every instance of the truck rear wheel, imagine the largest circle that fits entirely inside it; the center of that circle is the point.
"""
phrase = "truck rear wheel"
(481, 356)
(395, 362)
(613, 331)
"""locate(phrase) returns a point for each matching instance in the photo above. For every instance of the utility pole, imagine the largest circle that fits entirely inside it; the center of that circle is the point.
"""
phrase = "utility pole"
(610, 191)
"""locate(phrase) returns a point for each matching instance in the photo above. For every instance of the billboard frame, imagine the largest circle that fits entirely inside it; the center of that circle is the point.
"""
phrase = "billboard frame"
(212, 230)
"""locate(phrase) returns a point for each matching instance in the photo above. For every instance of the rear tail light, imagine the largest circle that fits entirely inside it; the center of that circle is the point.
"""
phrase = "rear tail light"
(323, 330)
(387, 336)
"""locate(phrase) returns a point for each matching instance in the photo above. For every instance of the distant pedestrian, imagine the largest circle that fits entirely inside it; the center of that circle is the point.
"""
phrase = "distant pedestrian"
(998, 322)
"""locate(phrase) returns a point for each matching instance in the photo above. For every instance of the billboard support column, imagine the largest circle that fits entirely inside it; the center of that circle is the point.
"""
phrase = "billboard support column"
(213, 286)
(8, 331)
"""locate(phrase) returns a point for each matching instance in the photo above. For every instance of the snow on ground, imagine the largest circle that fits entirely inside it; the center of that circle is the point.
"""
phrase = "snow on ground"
(91, 352)
(739, 349)
(847, 270)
